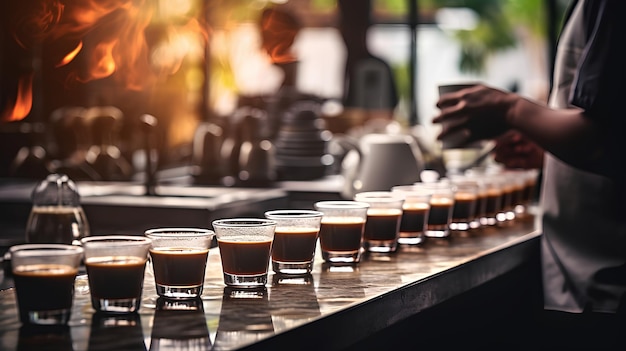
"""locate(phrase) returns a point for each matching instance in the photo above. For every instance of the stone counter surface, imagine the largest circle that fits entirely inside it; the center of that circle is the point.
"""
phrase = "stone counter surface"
(333, 308)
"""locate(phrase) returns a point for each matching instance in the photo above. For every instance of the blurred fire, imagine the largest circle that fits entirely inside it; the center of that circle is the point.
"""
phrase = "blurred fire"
(89, 40)
(23, 102)
(278, 32)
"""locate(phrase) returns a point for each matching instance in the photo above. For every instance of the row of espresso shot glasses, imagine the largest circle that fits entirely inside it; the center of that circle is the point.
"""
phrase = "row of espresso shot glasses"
(285, 240)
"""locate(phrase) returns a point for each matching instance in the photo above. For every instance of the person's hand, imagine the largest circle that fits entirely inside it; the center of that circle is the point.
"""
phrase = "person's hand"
(475, 113)
(513, 150)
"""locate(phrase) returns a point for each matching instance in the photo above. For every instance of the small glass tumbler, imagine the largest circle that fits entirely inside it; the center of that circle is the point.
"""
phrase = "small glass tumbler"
(465, 202)
(44, 276)
(382, 227)
(414, 214)
(115, 267)
(493, 204)
(519, 180)
(510, 187)
(245, 249)
(179, 258)
(295, 240)
(341, 230)
(441, 207)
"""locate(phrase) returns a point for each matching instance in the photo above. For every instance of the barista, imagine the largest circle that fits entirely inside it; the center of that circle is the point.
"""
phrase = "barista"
(583, 247)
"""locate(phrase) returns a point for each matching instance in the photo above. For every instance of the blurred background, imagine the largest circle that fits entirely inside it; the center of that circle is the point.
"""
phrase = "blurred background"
(135, 89)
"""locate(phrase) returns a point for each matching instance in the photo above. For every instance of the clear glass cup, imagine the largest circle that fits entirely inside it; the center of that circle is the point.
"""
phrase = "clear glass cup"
(56, 216)
(518, 181)
(44, 276)
(481, 204)
(492, 188)
(465, 202)
(523, 182)
(506, 211)
(414, 214)
(441, 207)
(245, 250)
(179, 257)
(341, 230)
(115, 267)
(384, 214)
(295, 240)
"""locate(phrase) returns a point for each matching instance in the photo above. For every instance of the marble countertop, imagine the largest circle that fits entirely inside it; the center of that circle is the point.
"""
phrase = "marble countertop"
(375, 294)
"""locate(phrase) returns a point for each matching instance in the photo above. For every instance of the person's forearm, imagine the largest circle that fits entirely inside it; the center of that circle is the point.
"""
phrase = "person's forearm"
(566, 133)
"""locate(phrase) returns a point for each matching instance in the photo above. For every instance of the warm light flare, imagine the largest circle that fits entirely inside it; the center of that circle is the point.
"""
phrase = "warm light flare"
(70, 56)
(175, 8)
(167, 57)
(23, 102)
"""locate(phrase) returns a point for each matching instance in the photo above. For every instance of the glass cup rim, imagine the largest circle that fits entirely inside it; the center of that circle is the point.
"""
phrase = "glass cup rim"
(45, 249)
(120, 240)
(281, 214)
(435, 187)
(169, 232)
(379, 196)
(243, 222)
(342, 204)
(411, 190)
(465, 185)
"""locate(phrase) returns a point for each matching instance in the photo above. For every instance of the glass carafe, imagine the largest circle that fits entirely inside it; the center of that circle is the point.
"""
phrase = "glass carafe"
(57, 215)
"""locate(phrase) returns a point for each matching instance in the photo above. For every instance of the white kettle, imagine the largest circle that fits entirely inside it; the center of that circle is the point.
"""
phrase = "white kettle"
(377, 162)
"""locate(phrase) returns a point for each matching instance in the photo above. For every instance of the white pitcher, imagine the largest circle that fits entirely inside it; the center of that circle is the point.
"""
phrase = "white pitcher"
(377, 162)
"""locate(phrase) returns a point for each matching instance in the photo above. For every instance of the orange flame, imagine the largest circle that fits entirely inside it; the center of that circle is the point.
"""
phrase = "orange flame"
(70, 56)
(112, 40)
(23, 102)
(102, 61)
(106, 37)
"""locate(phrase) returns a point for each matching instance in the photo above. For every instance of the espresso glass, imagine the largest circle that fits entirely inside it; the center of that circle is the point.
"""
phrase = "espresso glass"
(44, 276)
(341, 230)
(179, 257)
(115, 267)
(519, 181)
(465, 202)
(509, 186)
(530, 185)
(245, 249)
(383, 220)
(414, 214)
(295, 240)
(493, 188)
(441, 207)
